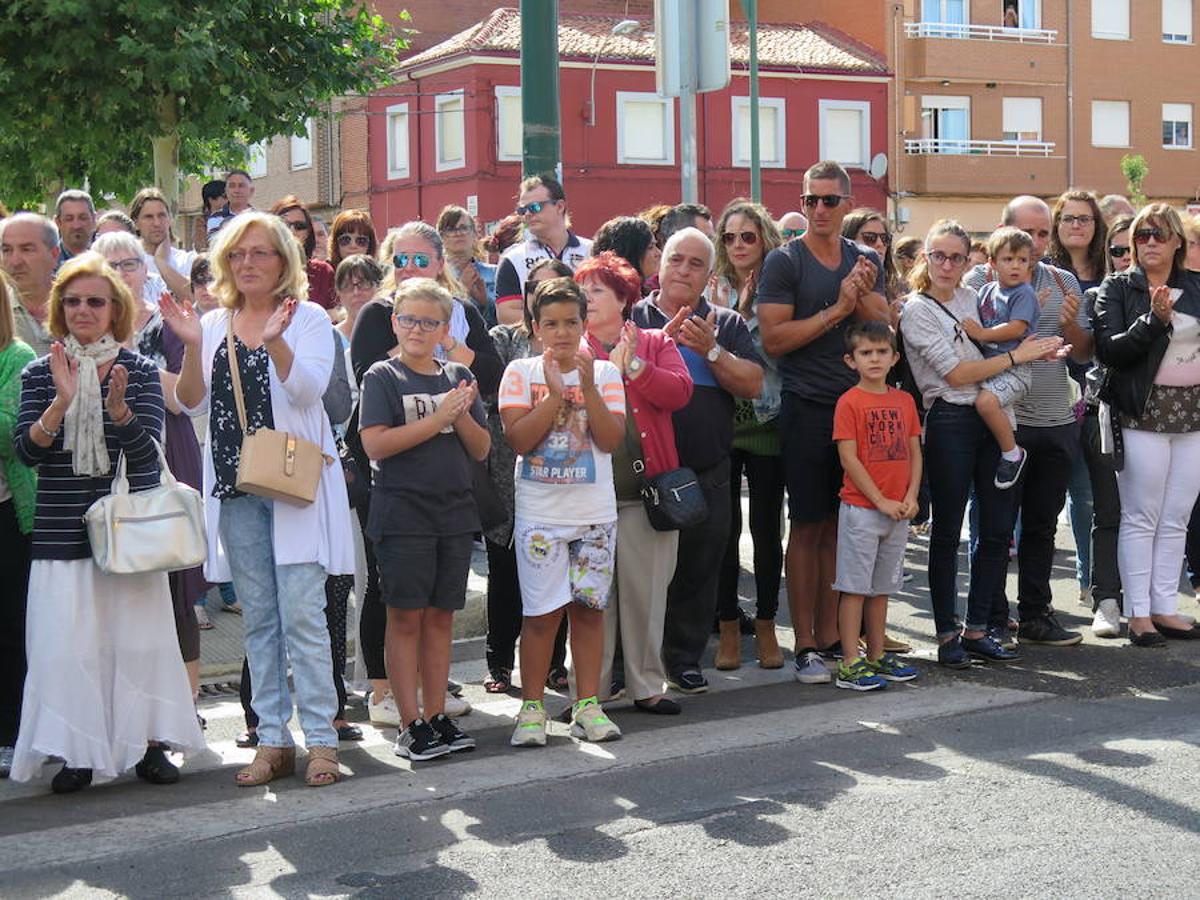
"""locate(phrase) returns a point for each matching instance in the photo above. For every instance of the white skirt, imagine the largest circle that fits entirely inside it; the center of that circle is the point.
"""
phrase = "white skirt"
(105, 673)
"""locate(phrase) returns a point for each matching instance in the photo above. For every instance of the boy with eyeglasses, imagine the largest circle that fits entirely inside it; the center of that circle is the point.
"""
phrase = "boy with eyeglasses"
(422, 425)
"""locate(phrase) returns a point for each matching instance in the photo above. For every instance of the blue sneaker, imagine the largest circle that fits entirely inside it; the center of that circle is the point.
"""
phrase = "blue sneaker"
(859, 676)
(952, 655)
(891, 669)
(810, 669)
(987, 647)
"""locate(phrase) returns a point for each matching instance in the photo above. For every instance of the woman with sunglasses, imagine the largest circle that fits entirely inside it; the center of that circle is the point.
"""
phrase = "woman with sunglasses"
(463, 251)
(1147, 326)
(296, 217)
(870, 228)
(352, 232)
(960, 451)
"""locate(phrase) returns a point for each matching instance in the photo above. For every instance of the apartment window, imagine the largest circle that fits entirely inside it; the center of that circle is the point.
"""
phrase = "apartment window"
(1177, 21)
(450, 131)
(844, 128)
(256, 159)
(510, 134)
(946, 123)
(1110, 123)
(951, 13)
(301, 147)
(772, 133)
(1021, 13)
(645, 129)
(1110, 20)
(1022, 118)
(1177, 125)
(397, 141)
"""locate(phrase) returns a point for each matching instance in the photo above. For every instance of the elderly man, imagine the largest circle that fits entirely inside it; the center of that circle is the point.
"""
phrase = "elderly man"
(1046, 427)
(75, 217)
(792, 225)
(29, 254)
(720, 355)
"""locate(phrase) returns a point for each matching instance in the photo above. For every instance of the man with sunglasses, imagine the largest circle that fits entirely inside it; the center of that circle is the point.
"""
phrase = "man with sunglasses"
(810, 290)
(1046, 426)
(542, 204)
(792, 225)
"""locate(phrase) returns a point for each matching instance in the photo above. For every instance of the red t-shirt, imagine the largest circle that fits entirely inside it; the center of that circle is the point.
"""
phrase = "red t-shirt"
(881, 426)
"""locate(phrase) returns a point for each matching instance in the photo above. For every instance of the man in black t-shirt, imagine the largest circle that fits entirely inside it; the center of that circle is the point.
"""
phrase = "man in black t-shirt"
(809, 291)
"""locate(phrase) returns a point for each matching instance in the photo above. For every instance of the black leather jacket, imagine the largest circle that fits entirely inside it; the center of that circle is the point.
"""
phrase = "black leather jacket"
(1130, 340)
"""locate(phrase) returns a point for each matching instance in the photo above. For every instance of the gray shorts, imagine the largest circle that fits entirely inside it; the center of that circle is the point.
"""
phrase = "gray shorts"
(1011, 385)
(870, 552)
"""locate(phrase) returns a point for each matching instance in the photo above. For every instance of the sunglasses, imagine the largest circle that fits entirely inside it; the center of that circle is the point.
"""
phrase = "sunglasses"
(1077, 220)
(71, 302)
(419, 260)
(297, 226)
(871, 238)
(1118, 252)
(789, 233)
(534, 208)
(1144, 235)
(408, 323)
(938, 258)
(829, 200)
(749, 238)
(345, 239)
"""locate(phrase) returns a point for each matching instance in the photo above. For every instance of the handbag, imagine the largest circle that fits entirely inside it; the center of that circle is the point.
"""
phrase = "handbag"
(358, 483)
(159, 530)
(492, 511)
(673, 500)
(273, 464)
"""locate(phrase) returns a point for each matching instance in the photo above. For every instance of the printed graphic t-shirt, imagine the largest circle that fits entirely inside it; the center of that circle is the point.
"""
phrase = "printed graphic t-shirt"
(566, 479)
(881, 426)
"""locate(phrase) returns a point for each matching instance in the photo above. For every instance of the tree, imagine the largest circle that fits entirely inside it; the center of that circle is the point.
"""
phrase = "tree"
(1135, 170)
(117, 91)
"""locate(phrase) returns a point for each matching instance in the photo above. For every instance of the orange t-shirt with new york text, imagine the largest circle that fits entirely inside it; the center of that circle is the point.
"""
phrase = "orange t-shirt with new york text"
(881, 426)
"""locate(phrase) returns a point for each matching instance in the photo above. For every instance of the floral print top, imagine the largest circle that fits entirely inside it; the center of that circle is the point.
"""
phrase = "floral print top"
(225, 431)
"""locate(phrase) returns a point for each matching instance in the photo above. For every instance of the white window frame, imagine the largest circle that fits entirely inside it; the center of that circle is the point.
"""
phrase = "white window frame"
(668, 118)
(779, 104)
(1128, 115)
(1170, 113)
(862, 106)
(300, 148)
(505, 90)
(1108, 34)
(1005, 131)
(256, 159)
(445, 164)
(1186, 15)
(1037, 12)
(393, 113)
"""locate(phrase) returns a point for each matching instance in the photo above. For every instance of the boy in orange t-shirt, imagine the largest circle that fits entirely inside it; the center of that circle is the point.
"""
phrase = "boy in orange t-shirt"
(878, 437)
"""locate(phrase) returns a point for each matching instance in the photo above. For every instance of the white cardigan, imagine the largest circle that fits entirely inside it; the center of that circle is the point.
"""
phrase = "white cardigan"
(321, 531)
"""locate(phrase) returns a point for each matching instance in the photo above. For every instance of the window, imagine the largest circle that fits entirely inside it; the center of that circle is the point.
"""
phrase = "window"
(510, 133)
(1110, 123)
(845, 131)
(1021, 13)
(772, 132)
(256, 159)
(946, 123)
(301, 147)
(397, 141)
(1110, 20)
(450, 131)
(1022, 118)
(1177, 21)
(645, 129)
(1177, 125)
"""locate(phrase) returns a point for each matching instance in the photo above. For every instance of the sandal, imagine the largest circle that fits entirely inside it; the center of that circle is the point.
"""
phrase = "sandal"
(248, 738)
(269, 763)
(499, 681)
(557, 679)
(322, 767)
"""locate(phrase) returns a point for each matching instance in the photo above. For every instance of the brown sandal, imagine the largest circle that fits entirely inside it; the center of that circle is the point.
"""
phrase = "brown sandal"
(322, 767)
(269, 763)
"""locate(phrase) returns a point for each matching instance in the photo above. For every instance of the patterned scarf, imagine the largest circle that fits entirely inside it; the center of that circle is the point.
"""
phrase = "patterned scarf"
(83, 434)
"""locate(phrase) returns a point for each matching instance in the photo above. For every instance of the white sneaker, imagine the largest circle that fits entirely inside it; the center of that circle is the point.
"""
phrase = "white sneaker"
(454, 706)
(383, 712)
(1107, 621)
(531, 726)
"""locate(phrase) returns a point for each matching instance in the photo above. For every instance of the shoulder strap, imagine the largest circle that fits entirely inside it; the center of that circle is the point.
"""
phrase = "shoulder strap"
(957, 322)
(1058, 279)
(234, 373)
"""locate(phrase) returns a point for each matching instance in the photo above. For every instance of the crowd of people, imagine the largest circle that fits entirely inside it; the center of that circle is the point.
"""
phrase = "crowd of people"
(589, 409)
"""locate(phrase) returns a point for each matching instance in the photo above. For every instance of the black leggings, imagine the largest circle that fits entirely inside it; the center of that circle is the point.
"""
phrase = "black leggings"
(372, 614)
(504, 611)
(765, 475)
(14, 586)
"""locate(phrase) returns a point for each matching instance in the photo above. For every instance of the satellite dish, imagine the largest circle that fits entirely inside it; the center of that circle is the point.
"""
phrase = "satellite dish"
(879, 166)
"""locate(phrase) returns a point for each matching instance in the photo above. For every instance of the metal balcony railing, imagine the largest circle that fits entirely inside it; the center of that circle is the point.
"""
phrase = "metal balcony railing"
(952, 146)
(979, 32)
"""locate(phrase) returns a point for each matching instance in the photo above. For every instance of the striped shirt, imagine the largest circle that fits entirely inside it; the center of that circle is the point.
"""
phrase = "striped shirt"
(1048, 403)
(62, 496)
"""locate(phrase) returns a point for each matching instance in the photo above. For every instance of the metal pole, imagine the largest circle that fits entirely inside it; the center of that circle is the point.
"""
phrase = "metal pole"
(688, 166)
(751, 9)
(539, 87)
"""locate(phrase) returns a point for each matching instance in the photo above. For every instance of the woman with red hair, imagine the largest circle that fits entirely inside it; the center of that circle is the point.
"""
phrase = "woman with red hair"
(656, 384)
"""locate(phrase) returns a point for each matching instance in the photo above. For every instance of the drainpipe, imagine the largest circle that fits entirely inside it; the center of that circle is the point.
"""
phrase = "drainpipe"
(897, 141)
(1070, 105)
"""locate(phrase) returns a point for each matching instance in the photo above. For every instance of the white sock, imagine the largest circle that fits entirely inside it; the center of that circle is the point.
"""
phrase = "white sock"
(1011, 455)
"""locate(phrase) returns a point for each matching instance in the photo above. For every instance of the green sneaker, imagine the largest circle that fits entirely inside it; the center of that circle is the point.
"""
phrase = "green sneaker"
(589, 723)
(531, 725)
(887, 666)
(858, 676)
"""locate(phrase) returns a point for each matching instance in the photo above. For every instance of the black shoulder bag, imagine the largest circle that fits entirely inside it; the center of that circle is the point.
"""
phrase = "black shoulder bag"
(674, 500)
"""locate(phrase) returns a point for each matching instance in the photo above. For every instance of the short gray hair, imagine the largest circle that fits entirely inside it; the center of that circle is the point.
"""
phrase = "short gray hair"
(73, 196)
(690, 232)
(118, 242)
(49, 229)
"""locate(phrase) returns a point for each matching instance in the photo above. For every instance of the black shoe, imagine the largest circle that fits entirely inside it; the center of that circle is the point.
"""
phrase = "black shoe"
(68, 781)
(689, 681)
(156, 768)
(349, 732)
(616, 690)
(987, 647)
(1151, 638)
(452, 736)
(745, 623)
(833, 651)
(248, 738)
(453, 688)
(952, 655)
(1046, 630)
(664, 707)
(420, 742)
(1178, 634)
(1009, 471)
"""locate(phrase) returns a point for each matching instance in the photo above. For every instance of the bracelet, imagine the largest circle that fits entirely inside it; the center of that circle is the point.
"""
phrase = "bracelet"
(50, 434)
(1012, 363)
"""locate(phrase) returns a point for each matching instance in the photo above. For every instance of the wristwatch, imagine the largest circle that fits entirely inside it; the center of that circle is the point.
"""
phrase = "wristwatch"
(715, 353)
(634, 366)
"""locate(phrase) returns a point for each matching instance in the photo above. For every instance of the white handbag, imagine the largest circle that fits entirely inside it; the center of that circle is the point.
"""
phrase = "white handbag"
(159, 530)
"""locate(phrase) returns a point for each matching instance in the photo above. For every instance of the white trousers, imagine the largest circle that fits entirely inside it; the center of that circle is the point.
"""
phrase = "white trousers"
(1158, 488)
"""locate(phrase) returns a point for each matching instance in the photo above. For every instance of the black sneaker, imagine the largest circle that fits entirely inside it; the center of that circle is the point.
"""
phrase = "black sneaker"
(832, 652)
(689, 681)
(1008, 471)
(420, 742)
(1046, 630)
(452, 736)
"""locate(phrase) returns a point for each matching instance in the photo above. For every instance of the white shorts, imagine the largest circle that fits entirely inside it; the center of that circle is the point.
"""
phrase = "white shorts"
(561, 564)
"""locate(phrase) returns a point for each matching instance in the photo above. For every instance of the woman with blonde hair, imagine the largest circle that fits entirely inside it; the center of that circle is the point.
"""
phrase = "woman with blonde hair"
(278, 553)
(745, 234)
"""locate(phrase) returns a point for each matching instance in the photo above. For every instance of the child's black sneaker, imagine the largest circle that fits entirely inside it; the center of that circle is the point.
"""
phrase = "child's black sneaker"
(452, 736)
(1009, 471)
(419, 742)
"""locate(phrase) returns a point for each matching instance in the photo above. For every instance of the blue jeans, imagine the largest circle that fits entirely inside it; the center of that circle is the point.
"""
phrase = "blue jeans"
(961, 452)
(284, 619)
(1079, 511)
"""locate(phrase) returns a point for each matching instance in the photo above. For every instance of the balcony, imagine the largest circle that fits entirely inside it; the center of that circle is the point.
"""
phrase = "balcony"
(979, 53)
(924, 146)
(981, 168)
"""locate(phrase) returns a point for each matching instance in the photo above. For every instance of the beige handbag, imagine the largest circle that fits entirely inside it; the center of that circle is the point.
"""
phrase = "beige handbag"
(273, 464)
(159, 530)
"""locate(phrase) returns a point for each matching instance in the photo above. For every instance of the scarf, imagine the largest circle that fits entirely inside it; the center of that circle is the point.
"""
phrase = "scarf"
(83, 427)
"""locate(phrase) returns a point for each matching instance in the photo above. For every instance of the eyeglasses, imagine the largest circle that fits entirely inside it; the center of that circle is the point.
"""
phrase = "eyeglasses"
(534, 208)
(257, 256)
(1143, 236)
(749, 238)
(1077, 220)
(296, 226)
(128, 265)
(462, 229)
(419, 260)
(871, 238)
(1118, 252)
(408, 323)
(830, 200)
(938, 258)
(352, 286)
(789, 233)
(71, 302)
(345, 239)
